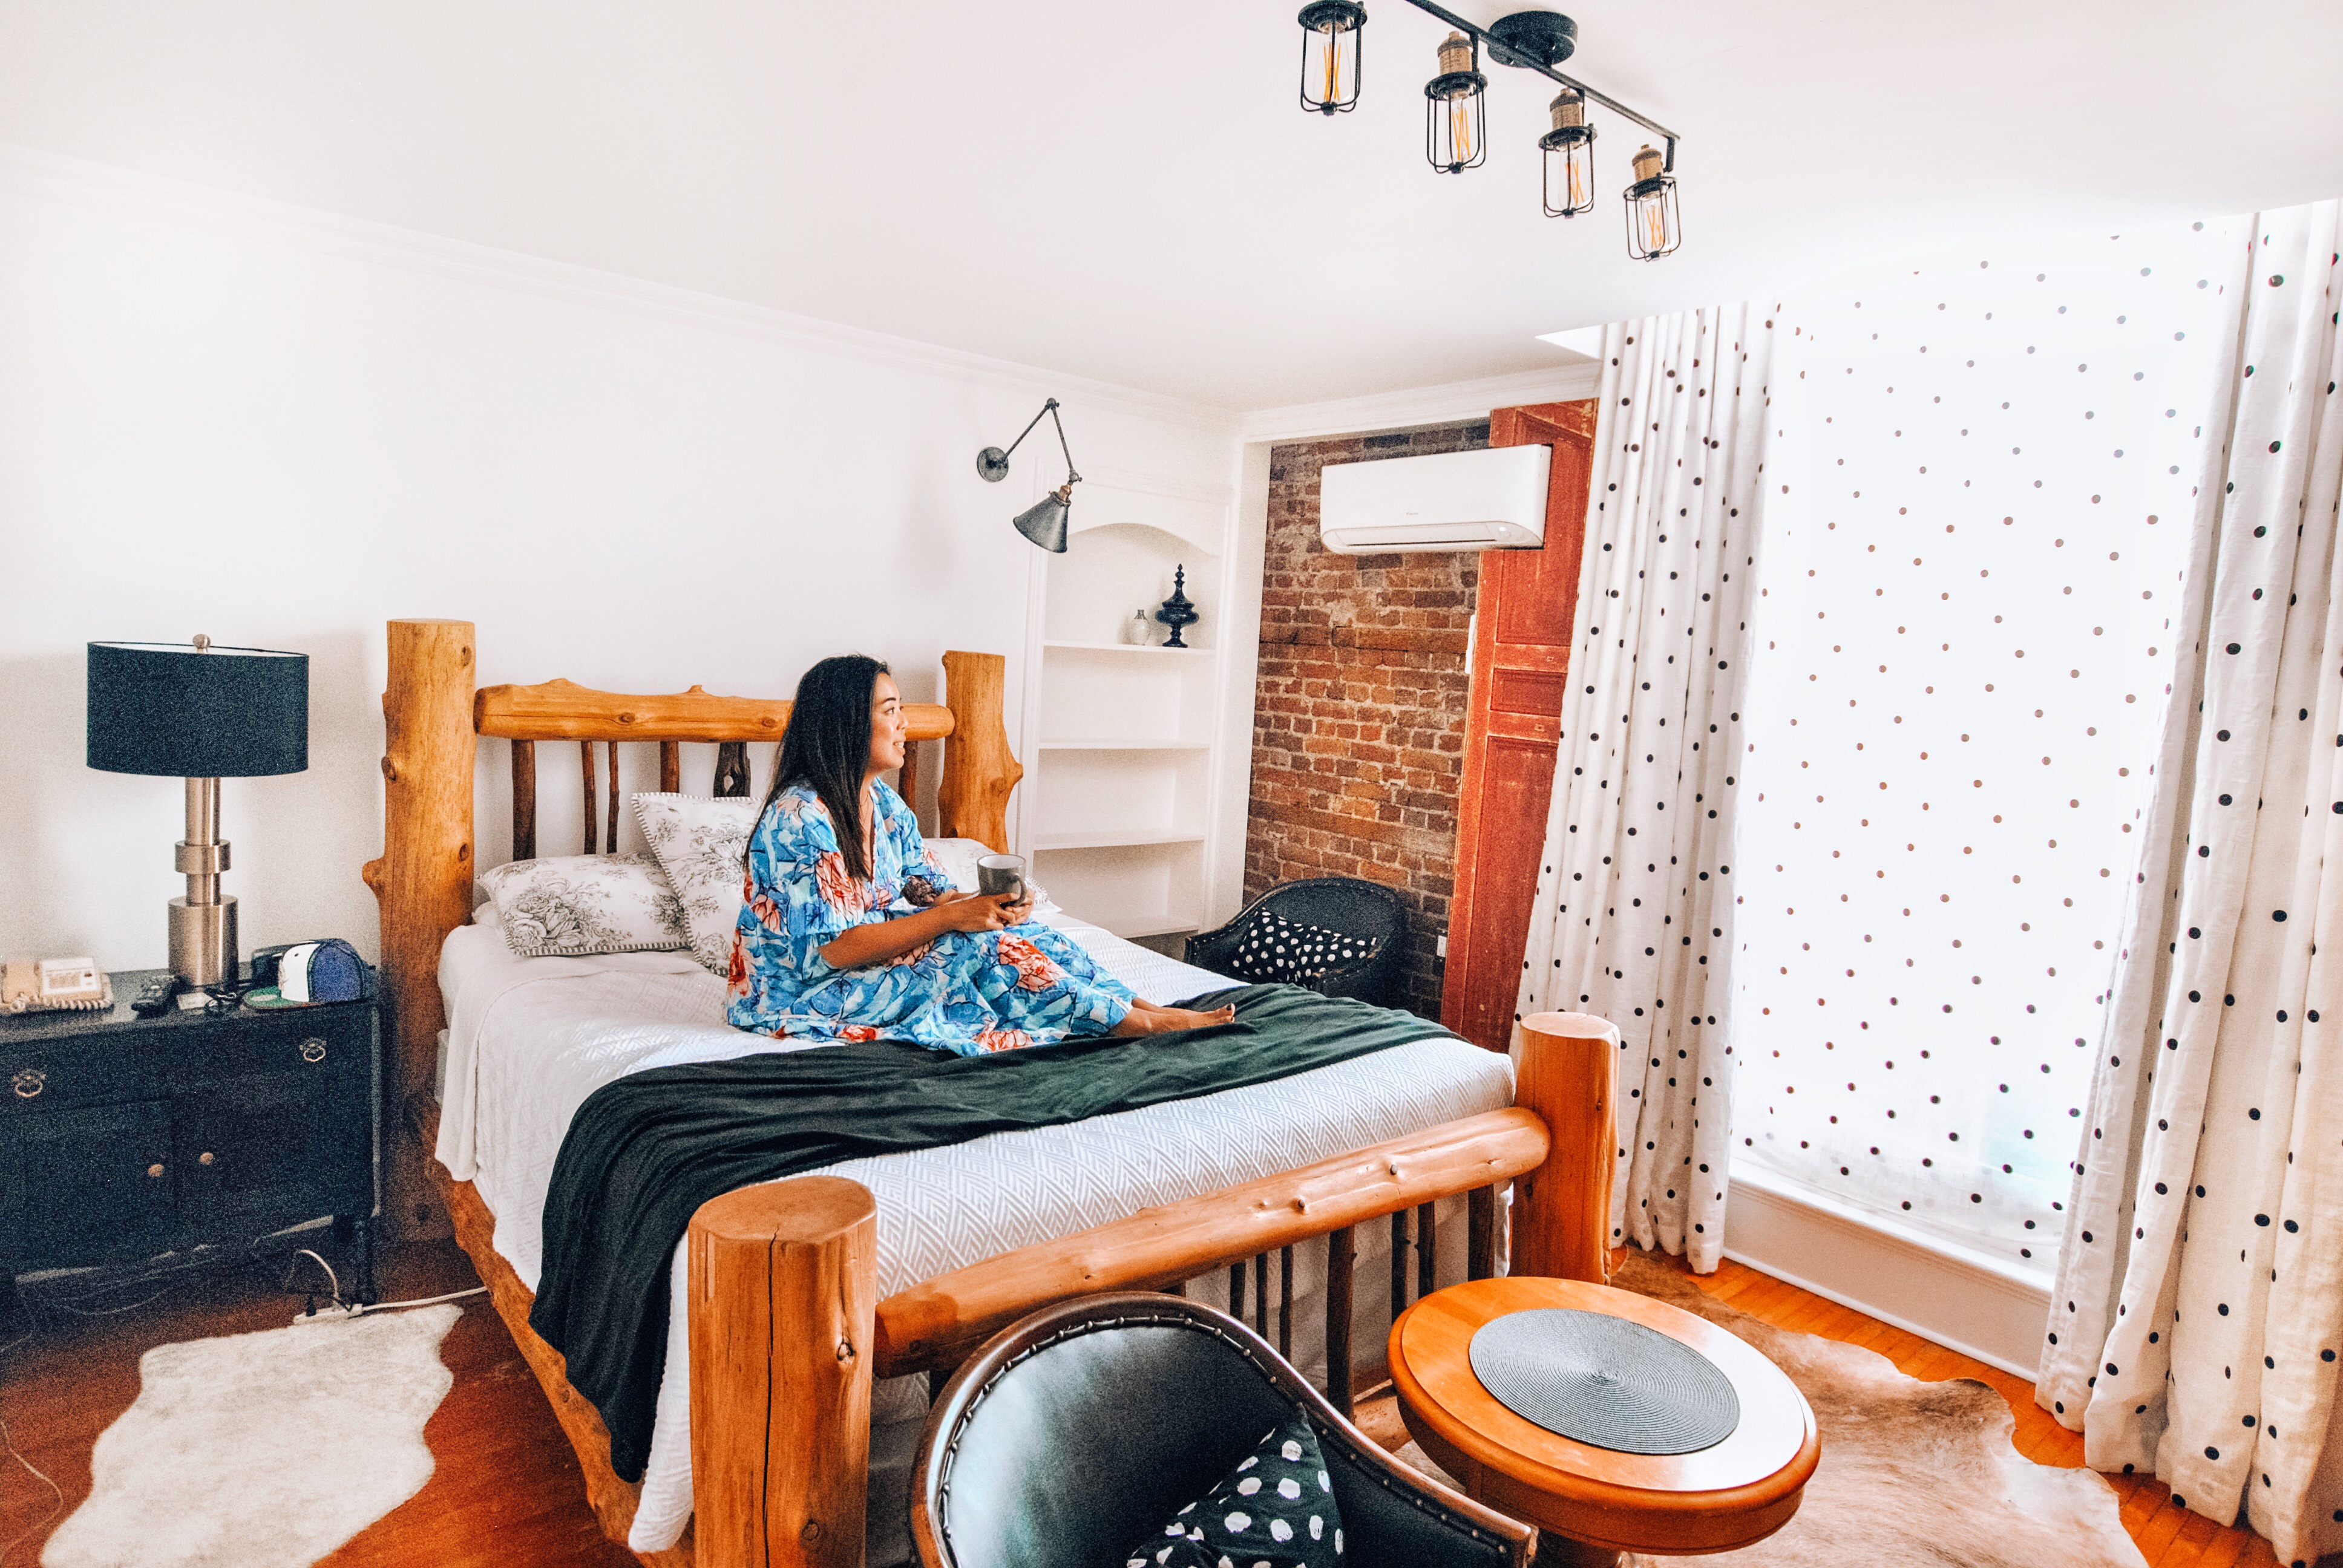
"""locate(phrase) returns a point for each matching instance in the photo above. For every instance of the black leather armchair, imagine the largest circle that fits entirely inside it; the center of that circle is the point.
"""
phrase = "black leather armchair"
(1073, 1435)
(1348, 904)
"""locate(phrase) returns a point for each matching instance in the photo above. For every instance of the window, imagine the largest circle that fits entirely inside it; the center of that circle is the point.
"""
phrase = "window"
(1986, 469)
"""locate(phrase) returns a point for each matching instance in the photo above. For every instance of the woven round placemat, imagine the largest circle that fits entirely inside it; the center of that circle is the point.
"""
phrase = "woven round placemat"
(1604, 1381)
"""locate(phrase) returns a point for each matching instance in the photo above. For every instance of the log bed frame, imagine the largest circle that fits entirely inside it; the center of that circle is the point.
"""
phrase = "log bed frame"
(786, 1330)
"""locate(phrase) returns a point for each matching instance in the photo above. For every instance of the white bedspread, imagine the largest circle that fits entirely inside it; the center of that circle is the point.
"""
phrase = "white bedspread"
(530, 1038)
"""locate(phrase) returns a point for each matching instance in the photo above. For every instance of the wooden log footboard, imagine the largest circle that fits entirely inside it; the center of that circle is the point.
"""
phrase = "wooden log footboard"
(786, 1332)
(937, 1323)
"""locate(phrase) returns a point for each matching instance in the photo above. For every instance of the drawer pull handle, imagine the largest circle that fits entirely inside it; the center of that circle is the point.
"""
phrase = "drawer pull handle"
(313, 1049)
(155, 1171)
(28, 1082)
(206, 1158)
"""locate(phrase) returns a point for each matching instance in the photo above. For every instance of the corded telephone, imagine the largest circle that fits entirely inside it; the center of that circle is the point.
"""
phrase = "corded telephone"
(39, 985)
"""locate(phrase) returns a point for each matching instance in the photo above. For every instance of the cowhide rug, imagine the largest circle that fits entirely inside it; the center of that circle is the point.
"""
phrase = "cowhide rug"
(266, 1449)
(1912, 1473)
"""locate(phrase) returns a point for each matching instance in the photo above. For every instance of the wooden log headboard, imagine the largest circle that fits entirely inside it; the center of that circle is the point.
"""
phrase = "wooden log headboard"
(433, 718)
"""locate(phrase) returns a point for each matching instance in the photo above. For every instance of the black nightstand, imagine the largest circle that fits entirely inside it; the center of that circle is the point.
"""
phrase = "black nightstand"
(122, 1137)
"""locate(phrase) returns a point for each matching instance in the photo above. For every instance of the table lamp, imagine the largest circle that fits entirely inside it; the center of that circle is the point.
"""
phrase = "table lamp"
(201, 713)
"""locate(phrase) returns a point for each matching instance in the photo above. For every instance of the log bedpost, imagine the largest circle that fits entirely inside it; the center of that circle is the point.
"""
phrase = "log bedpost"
(423, 882)
(907, 777)
(783, 1290)
(1566, 1068)
(980, 768)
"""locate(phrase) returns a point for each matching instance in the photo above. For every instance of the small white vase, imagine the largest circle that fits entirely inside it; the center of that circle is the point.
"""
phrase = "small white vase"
(1136, 631)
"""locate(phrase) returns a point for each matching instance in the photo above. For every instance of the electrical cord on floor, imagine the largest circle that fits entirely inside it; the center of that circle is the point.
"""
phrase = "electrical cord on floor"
(8, 1450)
(340, 1313)
(426, 1301)
(170, 1276)
(333, 1281)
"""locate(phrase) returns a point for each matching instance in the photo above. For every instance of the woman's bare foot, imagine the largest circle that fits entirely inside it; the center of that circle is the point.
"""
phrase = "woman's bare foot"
(1147, 1017)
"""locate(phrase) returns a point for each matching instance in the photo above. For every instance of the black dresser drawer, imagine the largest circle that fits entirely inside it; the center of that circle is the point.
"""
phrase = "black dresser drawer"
(327, 1040)
(92, 1069)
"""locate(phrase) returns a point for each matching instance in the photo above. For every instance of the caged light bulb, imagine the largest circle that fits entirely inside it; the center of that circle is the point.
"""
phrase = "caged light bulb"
(1330, 55)
(1653, 228)
(1455, 107)
(1568, 152)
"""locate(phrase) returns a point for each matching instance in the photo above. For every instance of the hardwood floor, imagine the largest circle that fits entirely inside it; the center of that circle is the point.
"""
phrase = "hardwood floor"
(506, 1492)
(2167, 1537)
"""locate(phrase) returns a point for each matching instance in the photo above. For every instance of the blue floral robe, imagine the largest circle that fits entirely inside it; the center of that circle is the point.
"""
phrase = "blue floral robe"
(966, 991)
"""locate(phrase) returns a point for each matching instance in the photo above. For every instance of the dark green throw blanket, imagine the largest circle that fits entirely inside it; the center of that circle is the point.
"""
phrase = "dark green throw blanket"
(644, 1153)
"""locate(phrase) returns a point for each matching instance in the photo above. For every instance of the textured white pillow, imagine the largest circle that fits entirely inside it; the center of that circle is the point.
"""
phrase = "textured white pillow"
(571, 906)
(959, 856)
(701, 843)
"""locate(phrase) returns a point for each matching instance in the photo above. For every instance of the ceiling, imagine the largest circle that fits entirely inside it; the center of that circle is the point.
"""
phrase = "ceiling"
(1129, 192)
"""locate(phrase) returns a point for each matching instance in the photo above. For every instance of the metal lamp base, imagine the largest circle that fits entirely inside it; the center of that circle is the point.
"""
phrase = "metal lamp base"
(203, 923)
(203, 942)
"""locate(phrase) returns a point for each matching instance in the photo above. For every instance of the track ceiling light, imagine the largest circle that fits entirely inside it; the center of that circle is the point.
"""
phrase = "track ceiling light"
(1455, 121)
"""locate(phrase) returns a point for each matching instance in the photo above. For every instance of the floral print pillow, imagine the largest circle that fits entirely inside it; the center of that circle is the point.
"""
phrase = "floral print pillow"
(702, 845)
(571, 906)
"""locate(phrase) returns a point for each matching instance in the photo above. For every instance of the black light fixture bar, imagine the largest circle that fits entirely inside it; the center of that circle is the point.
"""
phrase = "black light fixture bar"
(1510, 55)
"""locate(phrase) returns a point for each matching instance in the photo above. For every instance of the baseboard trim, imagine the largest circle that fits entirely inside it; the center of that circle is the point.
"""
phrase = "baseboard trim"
(1963, 1300)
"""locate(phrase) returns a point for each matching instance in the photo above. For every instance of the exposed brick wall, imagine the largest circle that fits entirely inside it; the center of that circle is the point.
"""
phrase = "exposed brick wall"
(1359, 717)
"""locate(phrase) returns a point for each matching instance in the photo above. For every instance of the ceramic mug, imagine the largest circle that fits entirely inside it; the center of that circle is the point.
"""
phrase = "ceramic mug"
(997, 874)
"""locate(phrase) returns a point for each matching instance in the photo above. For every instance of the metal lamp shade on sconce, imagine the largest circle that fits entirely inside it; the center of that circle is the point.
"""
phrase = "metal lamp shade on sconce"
(200, 713)
(1044, 522)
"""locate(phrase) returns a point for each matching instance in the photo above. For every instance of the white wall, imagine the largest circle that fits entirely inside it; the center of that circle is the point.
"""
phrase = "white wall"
(281, 428)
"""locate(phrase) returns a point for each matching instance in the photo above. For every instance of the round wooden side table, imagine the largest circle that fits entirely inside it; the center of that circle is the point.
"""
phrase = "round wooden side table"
(1595, 1502)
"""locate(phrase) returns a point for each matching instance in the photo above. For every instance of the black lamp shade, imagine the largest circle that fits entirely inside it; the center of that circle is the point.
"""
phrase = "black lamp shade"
(166, 708)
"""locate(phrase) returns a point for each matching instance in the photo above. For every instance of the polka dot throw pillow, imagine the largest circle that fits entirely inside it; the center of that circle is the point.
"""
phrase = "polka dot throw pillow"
(1274, 947)
(1274, 1510)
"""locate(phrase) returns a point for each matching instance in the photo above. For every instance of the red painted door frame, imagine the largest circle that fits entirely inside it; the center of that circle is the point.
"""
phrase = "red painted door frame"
(1513, 729)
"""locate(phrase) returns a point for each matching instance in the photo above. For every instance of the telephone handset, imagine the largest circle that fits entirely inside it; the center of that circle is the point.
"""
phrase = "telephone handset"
(40, 985)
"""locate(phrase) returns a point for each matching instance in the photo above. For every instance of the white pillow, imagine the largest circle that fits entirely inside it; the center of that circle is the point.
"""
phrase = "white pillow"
(959, 856)
(702, 844)
(571, 906)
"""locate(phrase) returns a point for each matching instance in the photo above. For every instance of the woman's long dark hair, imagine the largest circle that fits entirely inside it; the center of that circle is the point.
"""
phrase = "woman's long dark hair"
(827, 747)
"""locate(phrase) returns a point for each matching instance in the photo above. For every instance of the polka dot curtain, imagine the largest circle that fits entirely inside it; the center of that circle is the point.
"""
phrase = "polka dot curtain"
(2198, 1311)
(1981, 487)
(1633, 918)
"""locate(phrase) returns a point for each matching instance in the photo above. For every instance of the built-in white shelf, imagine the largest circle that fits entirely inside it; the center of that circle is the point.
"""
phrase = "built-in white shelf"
(1156, 650)
(1111, 839)
(1123, 737)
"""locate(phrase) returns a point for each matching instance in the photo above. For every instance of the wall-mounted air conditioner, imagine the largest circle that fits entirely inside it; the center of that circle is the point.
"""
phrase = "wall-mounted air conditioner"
(1486, 501)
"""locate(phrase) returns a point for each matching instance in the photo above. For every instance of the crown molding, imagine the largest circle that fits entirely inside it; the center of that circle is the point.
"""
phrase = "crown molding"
(1438, 405)
(29, 172)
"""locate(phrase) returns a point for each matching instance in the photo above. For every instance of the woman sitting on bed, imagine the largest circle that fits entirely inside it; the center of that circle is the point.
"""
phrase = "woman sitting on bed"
(822, 951)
